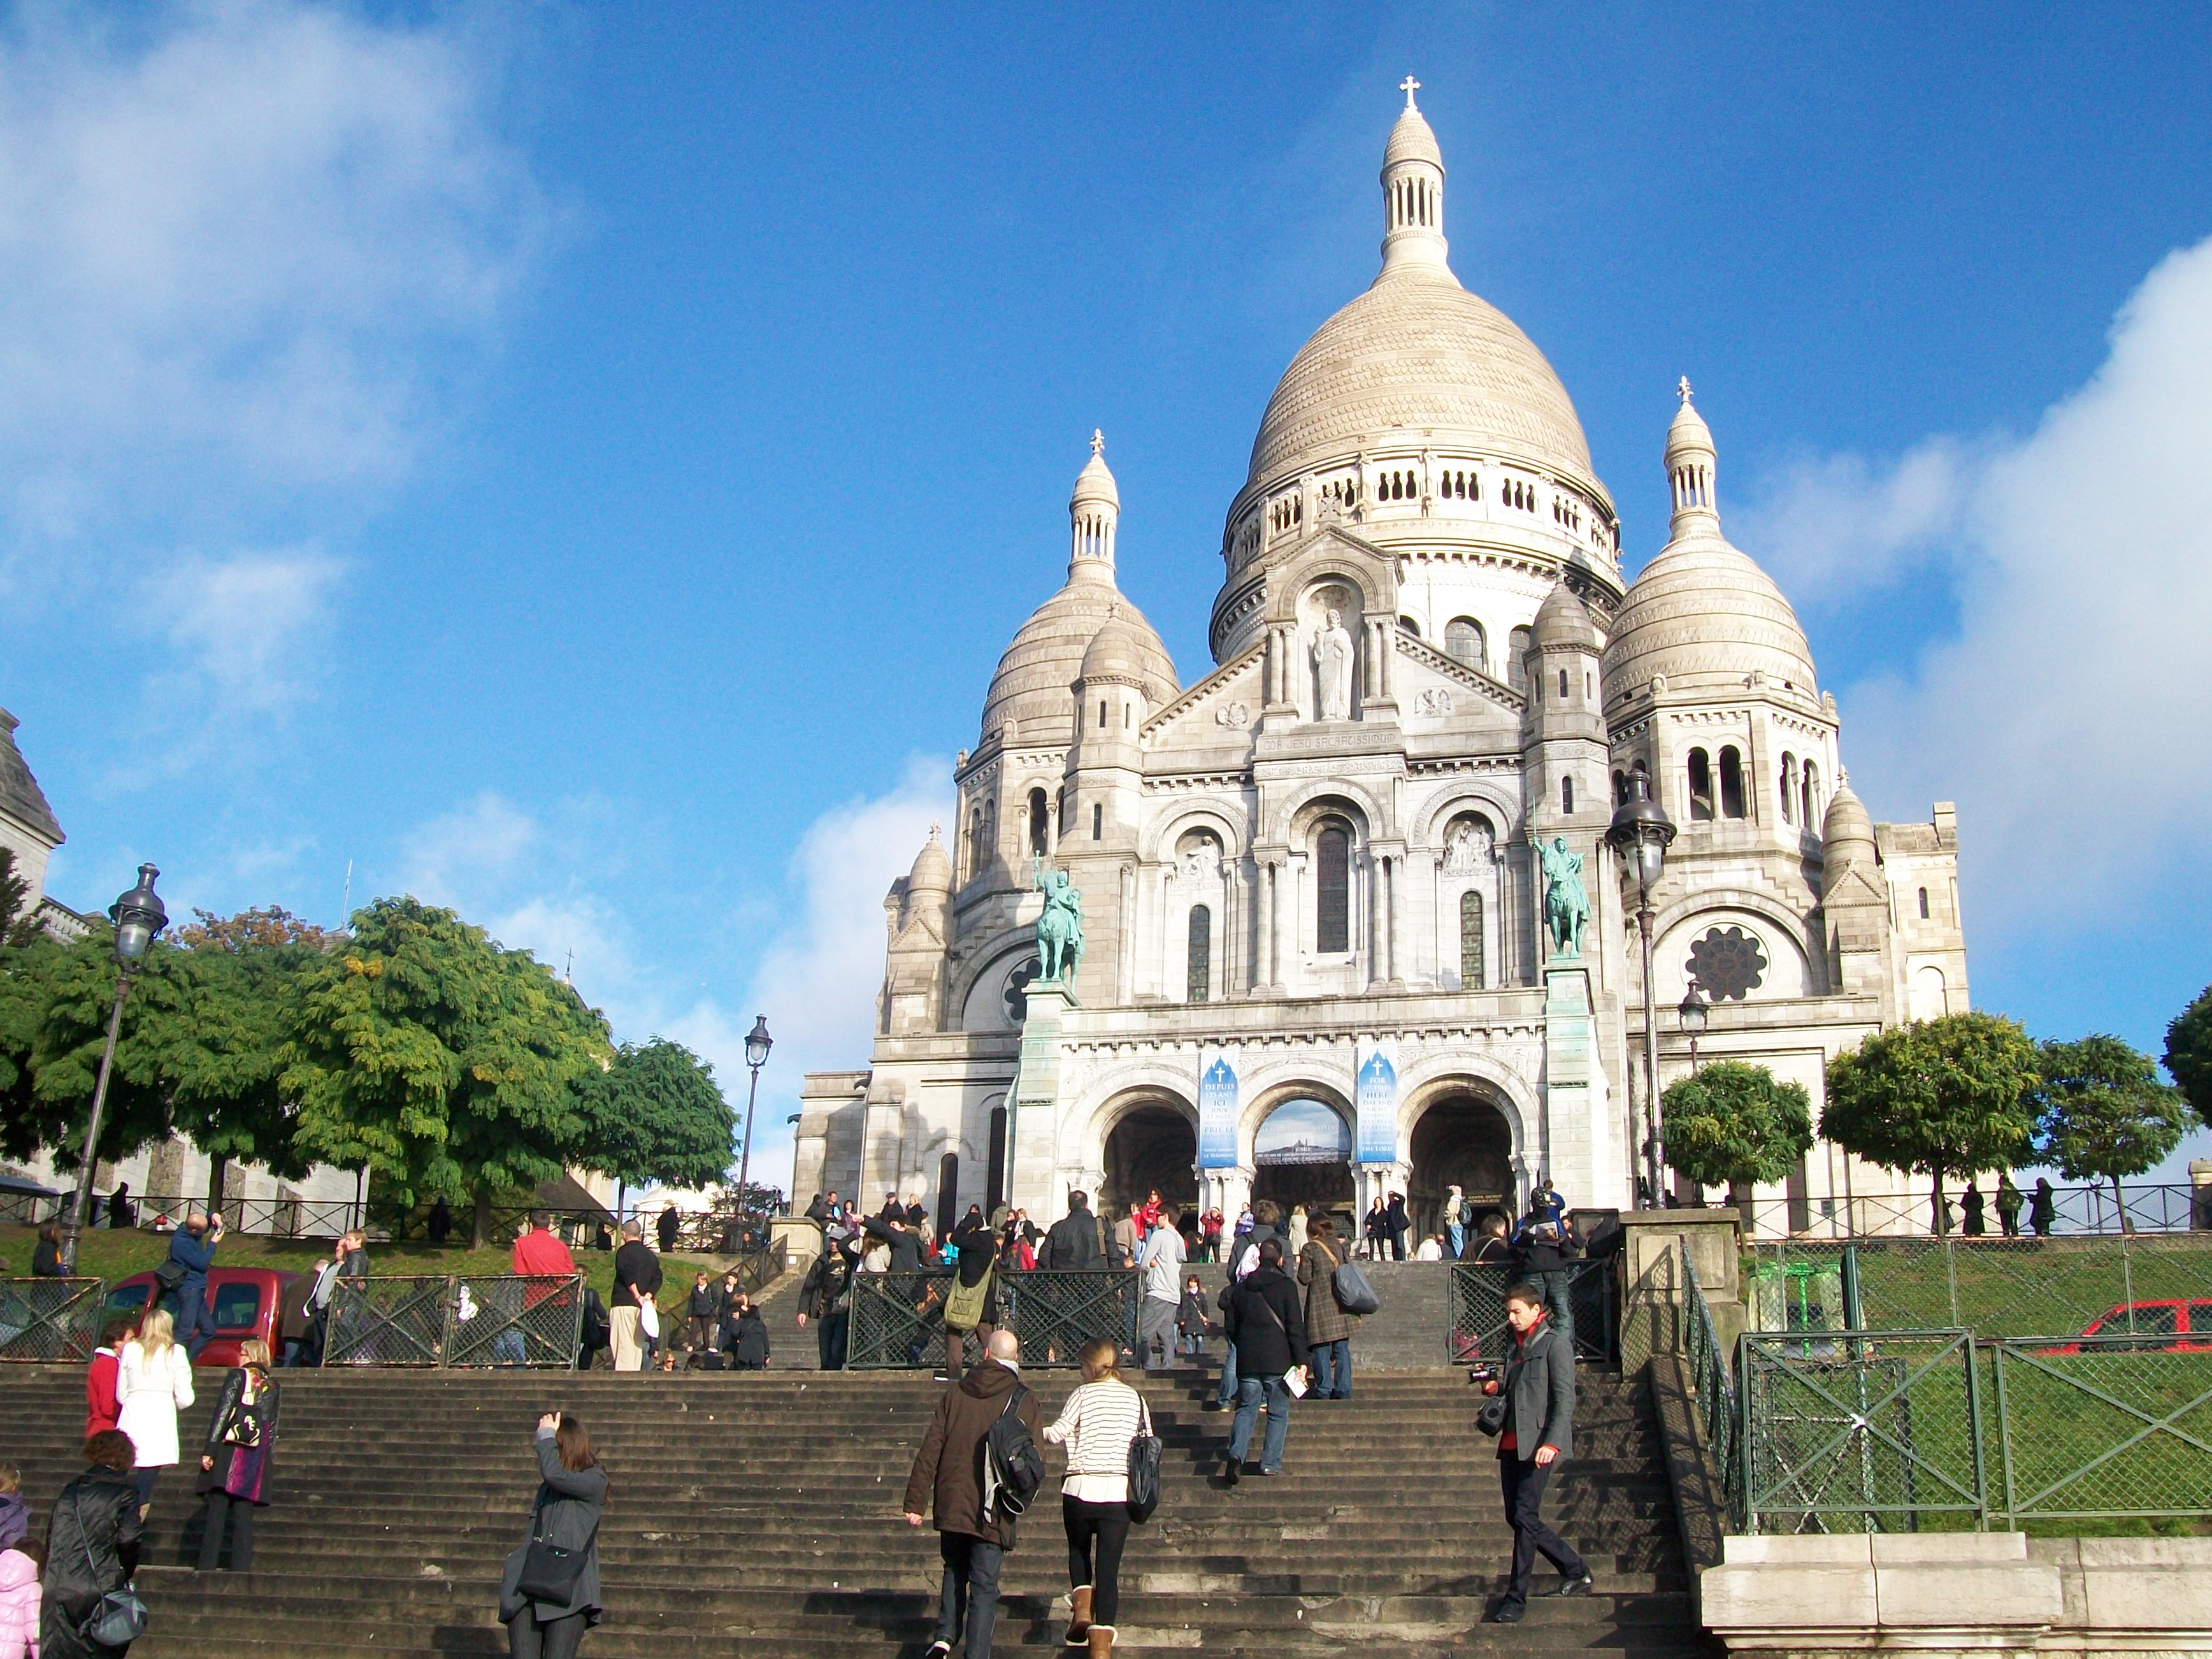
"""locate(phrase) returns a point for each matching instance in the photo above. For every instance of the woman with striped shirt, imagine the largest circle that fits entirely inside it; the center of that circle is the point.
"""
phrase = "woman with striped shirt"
(1099, 1421)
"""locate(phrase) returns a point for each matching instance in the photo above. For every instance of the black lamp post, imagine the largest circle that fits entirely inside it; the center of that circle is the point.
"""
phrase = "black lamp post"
(758, 1043)
(1690, 1015)
(138, 916)
(1639, 835)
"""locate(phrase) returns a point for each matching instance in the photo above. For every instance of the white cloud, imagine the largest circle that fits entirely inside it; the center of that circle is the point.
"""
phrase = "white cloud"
(2067, 716)
(246, 629)
(1829, 526)
(468, 854)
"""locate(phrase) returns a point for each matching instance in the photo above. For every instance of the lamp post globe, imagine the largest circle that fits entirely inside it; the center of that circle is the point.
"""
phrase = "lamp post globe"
(1639, 835)
(1690, 1015)
(139, 917)
(758, 1043)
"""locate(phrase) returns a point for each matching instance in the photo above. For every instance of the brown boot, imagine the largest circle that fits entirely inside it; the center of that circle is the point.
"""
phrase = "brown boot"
(1102, 1641)
(1079, 1628)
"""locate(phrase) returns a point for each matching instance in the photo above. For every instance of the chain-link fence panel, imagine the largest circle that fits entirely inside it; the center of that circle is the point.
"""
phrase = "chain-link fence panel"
(898, 1322)
(49, 1320)
(2103, 1428)
(516, 1320)
(1055, 1312)
(1478, 1331)
(390, 1321)
(1882, 1434)
(1708, 1364)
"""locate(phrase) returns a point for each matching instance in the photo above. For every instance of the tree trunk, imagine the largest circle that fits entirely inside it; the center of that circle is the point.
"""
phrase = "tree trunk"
(218, 1172)
(622, 1191)
(2121, 1199)
(482, 1234)
(1938, 1209)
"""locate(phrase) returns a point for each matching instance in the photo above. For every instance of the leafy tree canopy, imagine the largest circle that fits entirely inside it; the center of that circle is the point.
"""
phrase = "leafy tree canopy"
(2189, 1053)
(446, 1063)
(1733, 1125)
(653, 1114)
(2102, 1111)
(19, 906)
(1938, 1097)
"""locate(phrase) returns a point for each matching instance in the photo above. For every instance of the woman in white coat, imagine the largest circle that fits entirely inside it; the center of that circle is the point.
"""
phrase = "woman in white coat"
(152, 1383)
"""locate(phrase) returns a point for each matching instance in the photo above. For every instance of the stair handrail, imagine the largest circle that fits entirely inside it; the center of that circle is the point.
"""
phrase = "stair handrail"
(1711, 1379)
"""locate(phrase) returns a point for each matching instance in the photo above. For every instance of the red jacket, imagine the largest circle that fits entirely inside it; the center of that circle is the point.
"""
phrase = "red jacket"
(100, 1408)
(539, 1252)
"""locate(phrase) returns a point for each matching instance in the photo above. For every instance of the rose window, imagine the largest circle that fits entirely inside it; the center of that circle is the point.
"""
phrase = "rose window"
(1727, 965)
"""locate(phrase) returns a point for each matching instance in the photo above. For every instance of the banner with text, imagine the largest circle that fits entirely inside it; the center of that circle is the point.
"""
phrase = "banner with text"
(1378, 1100)
(1219, 1104)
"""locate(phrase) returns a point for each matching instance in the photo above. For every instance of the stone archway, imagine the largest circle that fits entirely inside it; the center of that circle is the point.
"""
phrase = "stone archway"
(1461, 1140)
(1307, 1159)
(1152, 1147)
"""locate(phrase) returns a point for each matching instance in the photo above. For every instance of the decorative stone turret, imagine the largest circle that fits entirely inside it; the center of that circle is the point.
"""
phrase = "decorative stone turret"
(1563, 726)
(1413, 194)
(1691, 463)
(914, 917)
(1093, 512)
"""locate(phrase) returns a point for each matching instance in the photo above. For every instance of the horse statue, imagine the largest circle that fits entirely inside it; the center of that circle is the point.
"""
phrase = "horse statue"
(1060, 929)
(1566, 902)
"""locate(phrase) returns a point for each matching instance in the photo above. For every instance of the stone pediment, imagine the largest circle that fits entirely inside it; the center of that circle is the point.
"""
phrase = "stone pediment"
(1431, 685)
(1224, 705)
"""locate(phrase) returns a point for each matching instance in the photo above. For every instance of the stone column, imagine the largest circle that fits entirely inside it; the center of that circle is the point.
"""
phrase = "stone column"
(1276, 870)
(1263, 894)
(1125, 955)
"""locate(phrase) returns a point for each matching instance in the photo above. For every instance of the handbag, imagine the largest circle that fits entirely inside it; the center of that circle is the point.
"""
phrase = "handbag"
(244, 1428)
(549, 1573)
(169, 1275)
(1353, 1291)
(964, 1309)
(1144, 1451)
(1490, 1416)
(118, 1618)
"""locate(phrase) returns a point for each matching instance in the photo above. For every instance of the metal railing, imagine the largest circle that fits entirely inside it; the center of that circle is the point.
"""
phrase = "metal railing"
(2113, 1284)
(49, 1320)
(1933, 1431)
(1709, 1366)
(1478, 1309)
(2151, 1208)
(898, 1319)
(456, 1321)
(276, 1217)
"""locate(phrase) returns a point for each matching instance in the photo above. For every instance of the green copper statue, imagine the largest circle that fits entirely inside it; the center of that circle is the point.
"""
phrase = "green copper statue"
(1566, 904)
(1060, 929)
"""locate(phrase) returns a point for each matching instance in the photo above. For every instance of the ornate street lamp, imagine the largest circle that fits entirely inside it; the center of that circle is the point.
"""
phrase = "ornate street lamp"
(758, 1043)
(1690, 1015)
(138, 916)
(1639, 835)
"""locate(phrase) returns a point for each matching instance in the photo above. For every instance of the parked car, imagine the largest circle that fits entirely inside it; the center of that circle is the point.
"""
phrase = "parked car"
(2165, 1325)
(244, 1300)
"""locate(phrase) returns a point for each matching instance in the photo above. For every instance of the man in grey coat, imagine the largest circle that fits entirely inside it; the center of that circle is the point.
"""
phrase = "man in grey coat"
(1539, 1386)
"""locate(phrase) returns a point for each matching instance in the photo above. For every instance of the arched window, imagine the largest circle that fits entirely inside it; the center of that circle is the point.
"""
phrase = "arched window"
(1566, 795)
(1731, 783)
(1198, 976)
(1516, 670)
(994, 1189)
(1410, 626)
(1789, 787)
(948, 1192)
(1463, 640)
(978, 853)
(1812, 794)
(1563, 685)
(1038, 827)
(1923, 904)
(1619, 788)
(1333, 890)
(1470, 941)
(1067, 809)
(1097, 819)
(1701, 785)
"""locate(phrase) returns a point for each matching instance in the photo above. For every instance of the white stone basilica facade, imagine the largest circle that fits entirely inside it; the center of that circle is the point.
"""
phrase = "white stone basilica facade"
(1311, 873)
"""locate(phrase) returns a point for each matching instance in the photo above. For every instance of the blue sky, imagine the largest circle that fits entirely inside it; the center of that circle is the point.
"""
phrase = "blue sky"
(581, 463)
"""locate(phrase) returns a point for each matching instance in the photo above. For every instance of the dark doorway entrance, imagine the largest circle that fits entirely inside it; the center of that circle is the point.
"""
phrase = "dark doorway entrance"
(1152, 1148)
(1302, 1155)
(1461, 1141)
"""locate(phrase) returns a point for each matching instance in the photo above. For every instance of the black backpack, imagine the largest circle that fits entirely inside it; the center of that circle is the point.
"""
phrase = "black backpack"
(1013, 1468)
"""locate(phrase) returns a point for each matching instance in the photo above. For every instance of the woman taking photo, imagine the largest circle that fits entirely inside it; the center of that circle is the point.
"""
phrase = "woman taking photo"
(152, 1383)
(1096, 1427)
(1538, 1437)
(241, 1439)
(548, 1595)
(92, 1546)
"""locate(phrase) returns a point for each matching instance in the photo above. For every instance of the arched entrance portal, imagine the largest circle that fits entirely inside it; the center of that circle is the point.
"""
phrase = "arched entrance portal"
(1464, 1141)
(1302, 1154)
(1152, 1147)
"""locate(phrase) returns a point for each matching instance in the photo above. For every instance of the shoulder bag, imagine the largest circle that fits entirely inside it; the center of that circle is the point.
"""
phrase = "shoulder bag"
(1353, 1292)
(964, 1309)
(169, 1275)
(549, 1573)
(118, 1618)
(1145, 1450)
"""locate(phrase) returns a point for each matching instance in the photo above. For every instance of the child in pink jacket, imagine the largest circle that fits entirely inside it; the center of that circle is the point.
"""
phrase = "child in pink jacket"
(19, 1601)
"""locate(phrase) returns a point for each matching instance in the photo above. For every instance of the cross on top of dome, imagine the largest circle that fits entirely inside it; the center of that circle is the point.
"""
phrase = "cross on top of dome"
(1682, 388)
(1098, 437)
(1409, 86)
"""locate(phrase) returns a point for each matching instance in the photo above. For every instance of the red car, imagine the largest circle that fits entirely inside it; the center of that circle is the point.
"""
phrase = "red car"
(2171, 1325)
(244, 1300)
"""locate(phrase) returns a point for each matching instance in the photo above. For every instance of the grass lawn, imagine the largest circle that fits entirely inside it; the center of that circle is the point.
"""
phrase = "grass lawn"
(111, 1255)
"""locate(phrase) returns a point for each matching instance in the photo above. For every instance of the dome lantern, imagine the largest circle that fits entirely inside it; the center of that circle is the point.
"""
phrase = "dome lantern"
(1691, 462)
(1094, 512)
(1413, 192)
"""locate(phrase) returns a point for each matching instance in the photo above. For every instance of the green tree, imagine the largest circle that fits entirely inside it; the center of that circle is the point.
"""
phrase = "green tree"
(19, 905)
(1939, 1097)
(1735, 1125)
(444, 1063)
(2102, 1111)
(2189, 1053)
(653, 1114)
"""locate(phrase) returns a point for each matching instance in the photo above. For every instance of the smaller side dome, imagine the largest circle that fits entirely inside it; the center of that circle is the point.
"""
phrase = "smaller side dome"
(1119, 652)
(932, 867)
(1846, 837)
(1563, 622)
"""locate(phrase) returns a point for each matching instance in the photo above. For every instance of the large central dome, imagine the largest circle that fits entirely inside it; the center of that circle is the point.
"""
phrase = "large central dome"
(1418, 355)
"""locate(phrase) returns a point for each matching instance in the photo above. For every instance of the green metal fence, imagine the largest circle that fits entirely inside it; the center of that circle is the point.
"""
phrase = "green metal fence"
(1478, 1309)
(1709, 1366)
(456, 1321)
(1936, 1431)
(898, 1319)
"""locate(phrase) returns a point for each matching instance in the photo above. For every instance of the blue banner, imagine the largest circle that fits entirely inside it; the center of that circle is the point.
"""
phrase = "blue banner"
(1218, 1106)
(1377, 1100)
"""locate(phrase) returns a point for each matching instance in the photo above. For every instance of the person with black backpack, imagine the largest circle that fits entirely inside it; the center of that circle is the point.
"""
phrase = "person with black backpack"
(977, 1470)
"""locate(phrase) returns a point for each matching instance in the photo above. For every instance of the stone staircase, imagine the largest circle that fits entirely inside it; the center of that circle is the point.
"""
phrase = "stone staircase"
(1408, 1333)
(759, 1516)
